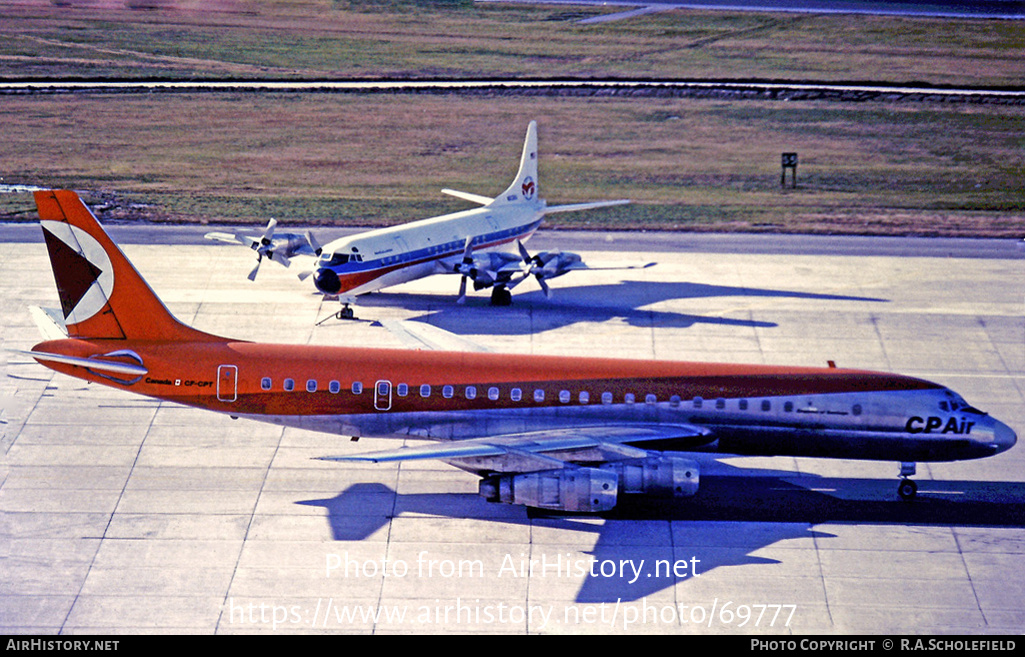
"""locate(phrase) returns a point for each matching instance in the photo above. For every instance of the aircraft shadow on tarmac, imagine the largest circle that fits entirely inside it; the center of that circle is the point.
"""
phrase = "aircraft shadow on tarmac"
(625, 300)
(733, 517)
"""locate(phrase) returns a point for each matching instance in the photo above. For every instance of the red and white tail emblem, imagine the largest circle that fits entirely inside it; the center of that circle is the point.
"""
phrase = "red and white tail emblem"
(529, 188)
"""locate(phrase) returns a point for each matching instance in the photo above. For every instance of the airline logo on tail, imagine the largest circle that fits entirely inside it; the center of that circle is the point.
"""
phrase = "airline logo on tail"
(82, 269)
(529, 188)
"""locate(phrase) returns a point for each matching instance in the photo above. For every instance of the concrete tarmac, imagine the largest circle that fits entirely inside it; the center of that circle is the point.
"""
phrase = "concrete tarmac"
(127, 515)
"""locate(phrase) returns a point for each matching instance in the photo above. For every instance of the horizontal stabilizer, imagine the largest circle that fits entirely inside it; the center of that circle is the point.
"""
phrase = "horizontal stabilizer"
(90, 363)
(573, 207)
(50, 322)
(467, 196)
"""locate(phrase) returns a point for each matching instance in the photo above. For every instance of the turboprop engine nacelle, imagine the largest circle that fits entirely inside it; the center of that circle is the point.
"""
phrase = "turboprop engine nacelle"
(666, 476)
(588, 490)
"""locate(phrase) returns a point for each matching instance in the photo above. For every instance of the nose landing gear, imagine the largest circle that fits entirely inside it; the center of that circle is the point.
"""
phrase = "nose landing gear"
(907, 489)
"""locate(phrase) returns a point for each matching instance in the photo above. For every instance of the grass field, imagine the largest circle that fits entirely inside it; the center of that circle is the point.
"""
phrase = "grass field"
(462, 39)
(875, 167)
(376, 159)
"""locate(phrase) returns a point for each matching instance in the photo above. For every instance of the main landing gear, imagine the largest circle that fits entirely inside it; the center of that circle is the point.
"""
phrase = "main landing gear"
(907, 489)
(501, 296)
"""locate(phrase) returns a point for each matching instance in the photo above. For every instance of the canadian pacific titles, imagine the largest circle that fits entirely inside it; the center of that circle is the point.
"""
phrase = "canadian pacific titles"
(559, 565)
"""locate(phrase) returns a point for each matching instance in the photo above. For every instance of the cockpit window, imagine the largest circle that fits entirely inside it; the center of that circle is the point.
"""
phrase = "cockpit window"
(959, 405)
(336, 259)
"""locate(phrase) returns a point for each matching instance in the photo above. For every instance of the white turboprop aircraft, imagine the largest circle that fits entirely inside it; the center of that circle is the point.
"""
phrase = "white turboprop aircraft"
(467, 243)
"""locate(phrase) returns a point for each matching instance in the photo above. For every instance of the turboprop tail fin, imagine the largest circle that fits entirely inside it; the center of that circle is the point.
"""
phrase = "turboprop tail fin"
(101, 293)
(525, 186)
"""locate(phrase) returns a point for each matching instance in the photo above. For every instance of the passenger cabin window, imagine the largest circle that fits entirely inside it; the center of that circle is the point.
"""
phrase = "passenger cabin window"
(742, 404)
(698, 402)
(289, 385)
(447, 392)
(628, 398)
(584, 397)
(493, 394)
(720, 403)
(357, 388)
(516, 394)
(650, 399)
(856, 409)
(266, 383)
(334, 387)
(402, 389)
(425, 390)
(311, 385)
(471, 392)
(788, 407)
(766, 405)
(564, 396)
(606, 397)
(539, 395)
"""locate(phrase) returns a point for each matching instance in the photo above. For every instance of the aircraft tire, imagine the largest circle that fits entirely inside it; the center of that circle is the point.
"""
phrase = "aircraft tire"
(907, 490)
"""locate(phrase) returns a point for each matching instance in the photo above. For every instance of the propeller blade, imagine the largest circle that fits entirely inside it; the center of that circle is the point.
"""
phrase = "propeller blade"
(544, 286)
(303, 275)
(314, 244)
(523, 252)
(462, 290)
(252, 274)
(268, 232)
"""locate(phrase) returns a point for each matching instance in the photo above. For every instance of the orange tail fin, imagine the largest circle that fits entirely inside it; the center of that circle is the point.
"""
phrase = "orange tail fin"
(101, 293)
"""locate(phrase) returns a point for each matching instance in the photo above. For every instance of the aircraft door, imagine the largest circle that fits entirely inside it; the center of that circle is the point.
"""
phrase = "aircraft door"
(227, 383)
(382, 395)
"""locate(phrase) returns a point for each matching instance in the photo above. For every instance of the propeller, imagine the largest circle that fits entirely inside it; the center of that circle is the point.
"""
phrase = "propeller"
(465, 268)
(261, 247)
(317, 250)
(538, 267)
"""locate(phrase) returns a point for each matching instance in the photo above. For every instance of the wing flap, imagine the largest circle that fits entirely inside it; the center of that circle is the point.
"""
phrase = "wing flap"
(539, 450)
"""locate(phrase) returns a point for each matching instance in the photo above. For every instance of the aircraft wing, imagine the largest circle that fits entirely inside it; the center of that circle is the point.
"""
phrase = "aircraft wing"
(538, 450)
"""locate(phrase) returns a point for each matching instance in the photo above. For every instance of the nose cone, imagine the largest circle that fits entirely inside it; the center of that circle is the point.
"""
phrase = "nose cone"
(327, 281)
(1003, 437)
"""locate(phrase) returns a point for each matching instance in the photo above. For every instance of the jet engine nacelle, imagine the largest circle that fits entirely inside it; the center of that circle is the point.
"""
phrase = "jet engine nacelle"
(587, 490)
(666, 476)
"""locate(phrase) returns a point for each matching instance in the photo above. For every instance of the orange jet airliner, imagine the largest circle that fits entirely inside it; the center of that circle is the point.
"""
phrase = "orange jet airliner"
(568, 434)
